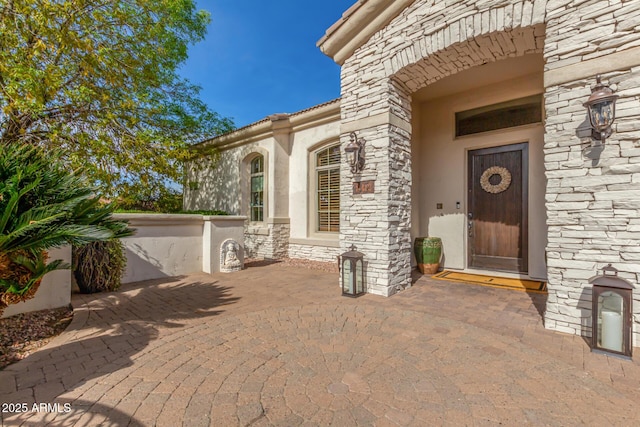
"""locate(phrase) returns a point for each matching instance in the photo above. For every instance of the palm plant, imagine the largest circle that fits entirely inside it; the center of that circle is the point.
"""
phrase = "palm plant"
(43, 205)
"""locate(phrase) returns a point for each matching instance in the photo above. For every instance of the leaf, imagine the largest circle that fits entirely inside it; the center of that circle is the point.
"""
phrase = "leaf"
(99, 80)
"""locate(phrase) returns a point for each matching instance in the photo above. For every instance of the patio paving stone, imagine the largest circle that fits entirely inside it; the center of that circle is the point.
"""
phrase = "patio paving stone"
(271, 345)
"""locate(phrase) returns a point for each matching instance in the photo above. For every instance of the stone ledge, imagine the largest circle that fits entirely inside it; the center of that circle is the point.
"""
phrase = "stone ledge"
(622, 60)
(315, 242)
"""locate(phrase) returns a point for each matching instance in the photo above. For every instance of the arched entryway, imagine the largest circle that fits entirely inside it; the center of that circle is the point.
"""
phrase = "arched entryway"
(471, 114)
(404, 105)
(485, 120)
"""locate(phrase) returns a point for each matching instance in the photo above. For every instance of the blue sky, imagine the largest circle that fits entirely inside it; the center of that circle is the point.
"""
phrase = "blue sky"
(260, 57)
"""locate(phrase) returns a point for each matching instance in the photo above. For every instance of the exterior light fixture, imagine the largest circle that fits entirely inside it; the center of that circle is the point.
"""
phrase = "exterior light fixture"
(601, 107)
(352, 271)
(611, 313)
(355, 153)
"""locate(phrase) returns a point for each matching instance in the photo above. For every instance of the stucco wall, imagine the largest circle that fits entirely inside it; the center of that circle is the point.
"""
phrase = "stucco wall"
(216, 230)
(285, 142)
(54, 291)
(166, 245)
(218, 180)
(302, 186)
(163, 246)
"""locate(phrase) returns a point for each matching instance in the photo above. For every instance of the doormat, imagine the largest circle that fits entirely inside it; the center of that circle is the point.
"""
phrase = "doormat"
(534, 286)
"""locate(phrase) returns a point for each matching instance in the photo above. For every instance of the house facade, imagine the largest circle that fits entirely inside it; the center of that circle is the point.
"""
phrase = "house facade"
(475, 131)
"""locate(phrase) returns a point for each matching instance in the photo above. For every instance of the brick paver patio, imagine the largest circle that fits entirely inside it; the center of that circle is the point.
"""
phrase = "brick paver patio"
(277, 346)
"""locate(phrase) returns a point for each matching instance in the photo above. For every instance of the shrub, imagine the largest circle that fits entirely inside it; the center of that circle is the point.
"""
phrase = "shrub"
(167, 201)
(43, 205)
(99, 266)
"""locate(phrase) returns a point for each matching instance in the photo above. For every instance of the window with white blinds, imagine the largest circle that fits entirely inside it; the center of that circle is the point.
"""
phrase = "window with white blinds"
(328, 189)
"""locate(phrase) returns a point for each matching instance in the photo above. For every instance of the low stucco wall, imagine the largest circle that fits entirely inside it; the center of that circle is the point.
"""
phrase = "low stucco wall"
(163, 246)
(166, 245)
(217, 229)
(54, 291)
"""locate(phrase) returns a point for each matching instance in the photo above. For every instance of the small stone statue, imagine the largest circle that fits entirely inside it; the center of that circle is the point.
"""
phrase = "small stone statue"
(229, 260)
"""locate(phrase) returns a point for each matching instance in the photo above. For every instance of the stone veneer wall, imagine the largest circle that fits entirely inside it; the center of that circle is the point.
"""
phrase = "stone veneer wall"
(314, 252)
(379, 224)
(426, 42)
(593, 193)
(271, 241)
(592, 206)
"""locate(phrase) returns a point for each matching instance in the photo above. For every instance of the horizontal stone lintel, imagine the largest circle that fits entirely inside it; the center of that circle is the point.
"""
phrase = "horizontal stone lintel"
(621, 60)
(330, 243)
(375, 120)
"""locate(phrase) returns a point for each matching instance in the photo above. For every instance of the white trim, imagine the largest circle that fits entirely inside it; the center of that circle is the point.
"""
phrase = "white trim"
(278, 220)
(168, 219)
(224, 217)
(244, 177)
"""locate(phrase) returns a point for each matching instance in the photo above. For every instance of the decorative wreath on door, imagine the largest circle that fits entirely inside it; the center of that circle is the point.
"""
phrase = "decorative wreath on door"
(505, 179)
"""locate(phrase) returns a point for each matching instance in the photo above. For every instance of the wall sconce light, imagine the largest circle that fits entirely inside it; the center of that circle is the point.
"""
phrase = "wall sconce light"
(601, 107)
(355, 153)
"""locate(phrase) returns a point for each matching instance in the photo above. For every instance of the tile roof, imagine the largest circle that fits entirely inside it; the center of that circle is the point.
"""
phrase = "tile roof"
(269, 118)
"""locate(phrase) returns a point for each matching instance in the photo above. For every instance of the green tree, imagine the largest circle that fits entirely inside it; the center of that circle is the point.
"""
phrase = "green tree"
(98, 79)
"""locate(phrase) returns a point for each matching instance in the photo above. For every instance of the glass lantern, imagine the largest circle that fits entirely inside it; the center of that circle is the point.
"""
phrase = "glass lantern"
(355, 153)
(611, 313)
(352, 272)
(601, 107)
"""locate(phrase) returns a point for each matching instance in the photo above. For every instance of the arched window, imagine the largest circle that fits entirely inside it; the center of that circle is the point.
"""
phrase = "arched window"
(327, 167)
(256, 204)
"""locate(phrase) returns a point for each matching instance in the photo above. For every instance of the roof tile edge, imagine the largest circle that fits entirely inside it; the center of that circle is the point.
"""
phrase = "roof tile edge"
(264, 126)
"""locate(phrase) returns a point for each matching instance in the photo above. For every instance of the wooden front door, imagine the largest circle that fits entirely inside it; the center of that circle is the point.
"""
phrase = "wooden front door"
(497, 217)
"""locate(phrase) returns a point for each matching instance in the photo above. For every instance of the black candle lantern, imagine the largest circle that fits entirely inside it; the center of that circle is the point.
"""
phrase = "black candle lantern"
(352, 272)
(611, 313)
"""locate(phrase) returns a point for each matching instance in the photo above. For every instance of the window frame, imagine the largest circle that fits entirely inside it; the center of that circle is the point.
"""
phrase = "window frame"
(499, 108)
(333, 169)
(253, 175)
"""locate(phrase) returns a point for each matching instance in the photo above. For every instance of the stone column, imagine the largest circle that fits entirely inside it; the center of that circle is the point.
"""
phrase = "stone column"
(379, 223)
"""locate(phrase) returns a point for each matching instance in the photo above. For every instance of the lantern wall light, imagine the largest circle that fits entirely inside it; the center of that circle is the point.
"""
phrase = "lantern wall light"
(351, 266)
(355, 153)
(601, 107)
(612, 309)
